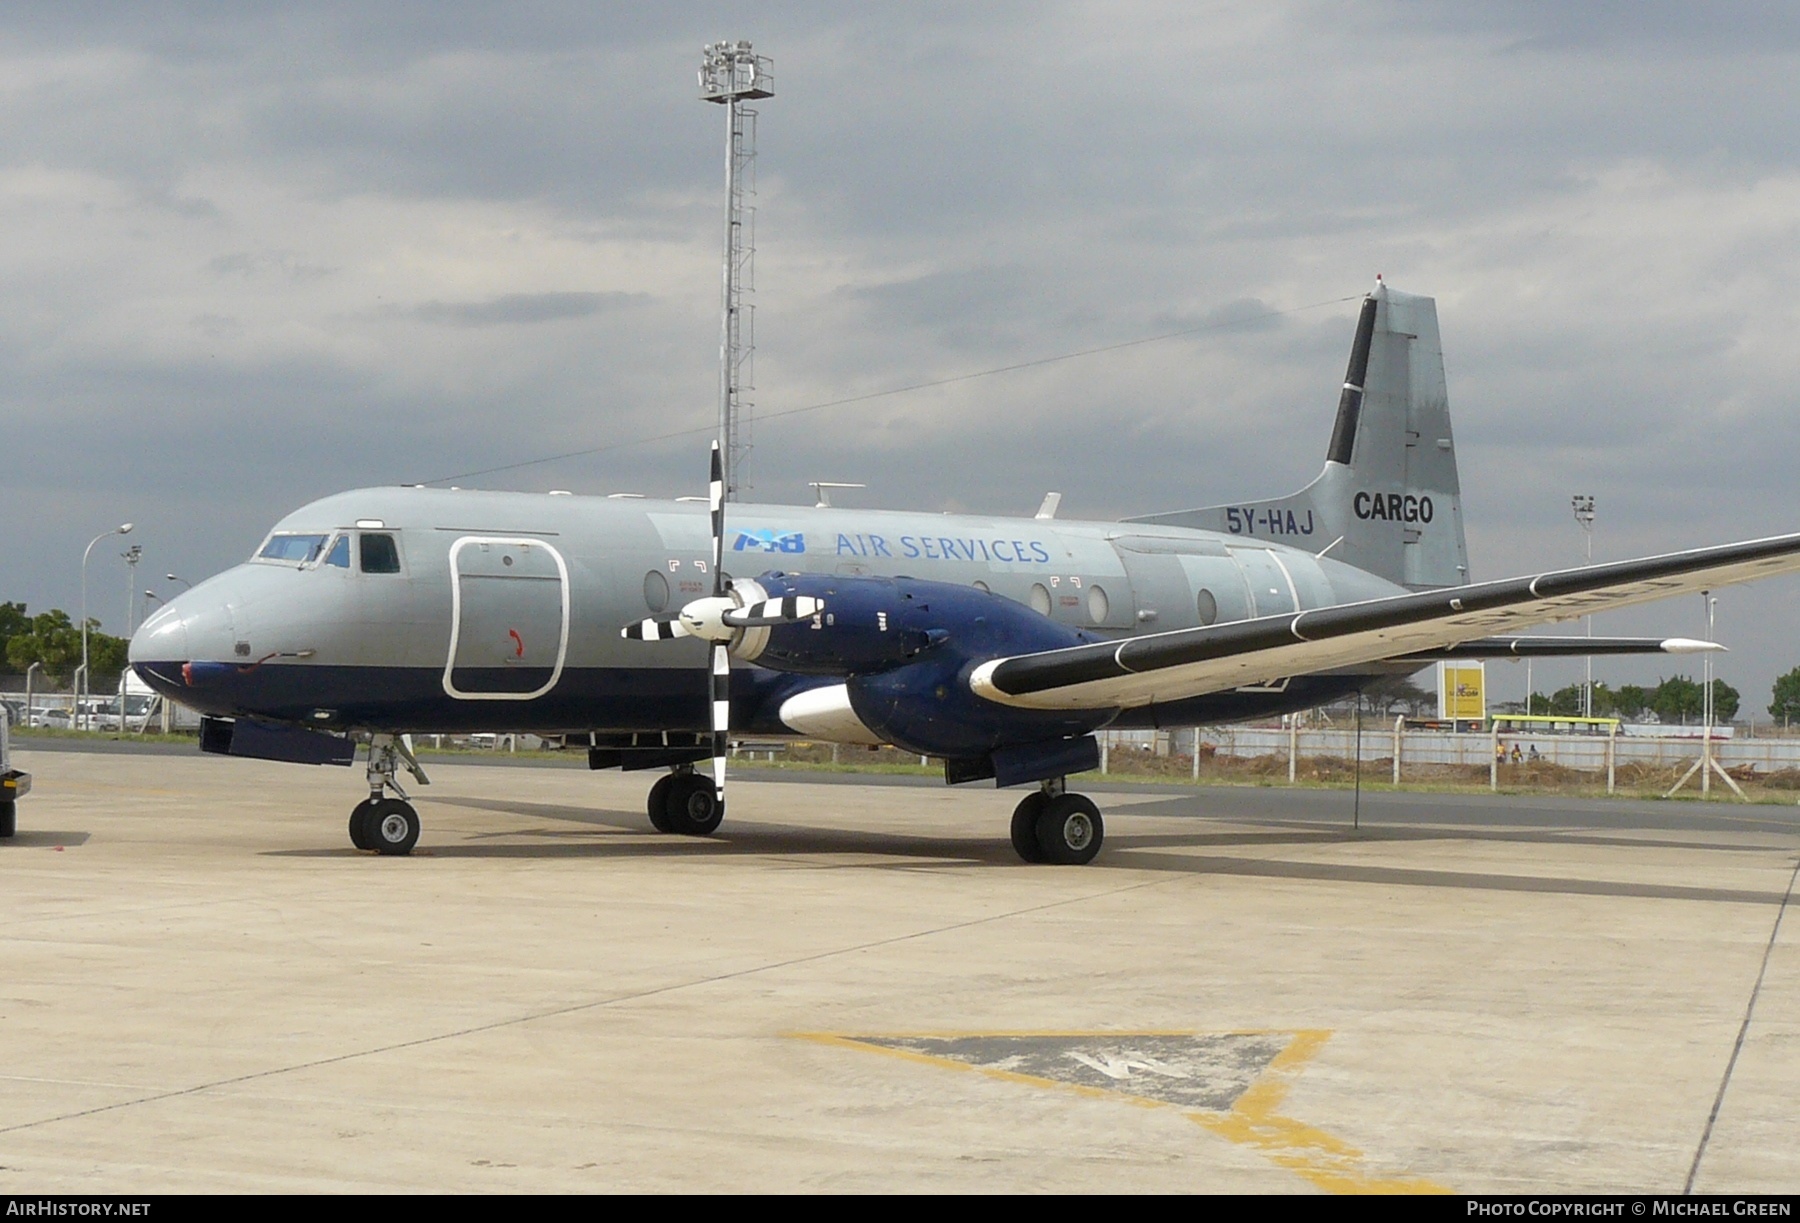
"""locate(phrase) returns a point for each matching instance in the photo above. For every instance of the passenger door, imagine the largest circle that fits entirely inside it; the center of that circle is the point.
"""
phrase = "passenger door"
(509, 622)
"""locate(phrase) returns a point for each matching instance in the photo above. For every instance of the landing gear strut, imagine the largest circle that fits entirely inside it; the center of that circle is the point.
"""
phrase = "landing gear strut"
(1052, 825)
(388, 825)
(684, 802)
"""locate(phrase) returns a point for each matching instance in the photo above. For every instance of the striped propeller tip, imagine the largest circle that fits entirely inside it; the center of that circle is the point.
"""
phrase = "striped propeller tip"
(654, 630)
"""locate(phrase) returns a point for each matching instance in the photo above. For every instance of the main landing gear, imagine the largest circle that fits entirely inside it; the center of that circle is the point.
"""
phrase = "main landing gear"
(1055, 826)
(388, 825)
(685, 802)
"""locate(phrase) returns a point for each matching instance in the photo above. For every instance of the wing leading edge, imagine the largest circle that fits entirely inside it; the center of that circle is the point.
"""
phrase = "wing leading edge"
(1194, 662)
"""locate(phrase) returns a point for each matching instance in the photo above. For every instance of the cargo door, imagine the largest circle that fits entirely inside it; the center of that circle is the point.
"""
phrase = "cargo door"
(509, 622)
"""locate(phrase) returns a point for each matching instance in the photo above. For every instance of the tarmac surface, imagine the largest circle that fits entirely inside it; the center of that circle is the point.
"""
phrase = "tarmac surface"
(856, 986)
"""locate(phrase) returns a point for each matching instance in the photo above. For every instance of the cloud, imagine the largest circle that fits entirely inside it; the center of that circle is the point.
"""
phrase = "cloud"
(243, 241)
(511, 308)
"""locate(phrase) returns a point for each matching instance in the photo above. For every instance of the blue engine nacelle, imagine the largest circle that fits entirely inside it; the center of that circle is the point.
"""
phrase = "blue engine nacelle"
(905, 648)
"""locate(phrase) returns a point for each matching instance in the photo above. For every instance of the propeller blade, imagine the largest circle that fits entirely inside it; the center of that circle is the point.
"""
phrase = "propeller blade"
(721, 651)
(721, 716)
(718, 521)
(655, 630)
(789, 609)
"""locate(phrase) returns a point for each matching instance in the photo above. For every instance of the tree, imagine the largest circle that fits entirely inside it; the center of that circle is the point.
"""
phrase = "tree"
(13, 622)
(1401, 692)
(1565, 701)
(108, 656)
(1786, 702)
(1725, 701)
(1677, 699)
(53, 640)
(1630, 701)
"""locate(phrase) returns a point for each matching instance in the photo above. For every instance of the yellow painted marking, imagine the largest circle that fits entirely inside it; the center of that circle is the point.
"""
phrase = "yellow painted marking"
(1328, 1162)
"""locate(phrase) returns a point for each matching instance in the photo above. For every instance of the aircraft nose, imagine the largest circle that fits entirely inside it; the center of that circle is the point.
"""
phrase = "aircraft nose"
(192, 638)
(163, 637)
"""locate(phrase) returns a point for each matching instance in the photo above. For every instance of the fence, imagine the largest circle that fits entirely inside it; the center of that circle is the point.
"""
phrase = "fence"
(1399, 747)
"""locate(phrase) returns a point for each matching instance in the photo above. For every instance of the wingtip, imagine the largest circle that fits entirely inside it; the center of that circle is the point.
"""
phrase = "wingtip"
(1688, 645)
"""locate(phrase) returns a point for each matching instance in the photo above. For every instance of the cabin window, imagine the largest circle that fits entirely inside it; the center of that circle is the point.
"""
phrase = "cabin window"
(1039, 598)
(293, 549)
(1098, 604)
(379, 555)
(1207, 606)
(340, 553)
(656, 591)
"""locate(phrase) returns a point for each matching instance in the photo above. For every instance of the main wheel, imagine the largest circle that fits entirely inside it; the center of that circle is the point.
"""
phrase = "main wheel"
(693, 809)
(393, 827)
(1024, 826)
(361, 835)
(9, 818)
(658, 803)
(1069, 830)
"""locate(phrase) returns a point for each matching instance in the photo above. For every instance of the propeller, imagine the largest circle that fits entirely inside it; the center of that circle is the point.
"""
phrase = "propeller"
(718, 619)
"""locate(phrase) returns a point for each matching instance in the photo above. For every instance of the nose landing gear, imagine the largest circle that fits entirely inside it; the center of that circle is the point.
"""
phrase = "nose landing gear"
(388, 825)
(1057, 827)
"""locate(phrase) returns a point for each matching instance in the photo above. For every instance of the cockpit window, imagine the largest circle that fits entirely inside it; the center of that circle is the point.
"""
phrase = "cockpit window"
(340, 553)
(379, 555)
(293, 549)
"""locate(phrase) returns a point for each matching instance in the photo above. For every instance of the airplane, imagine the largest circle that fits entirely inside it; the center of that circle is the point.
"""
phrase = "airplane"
(650, 631)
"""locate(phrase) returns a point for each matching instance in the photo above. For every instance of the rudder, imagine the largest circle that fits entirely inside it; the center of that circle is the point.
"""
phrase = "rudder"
(1389, 500)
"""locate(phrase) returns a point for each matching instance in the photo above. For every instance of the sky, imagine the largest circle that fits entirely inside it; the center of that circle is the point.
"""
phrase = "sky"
(254, 255)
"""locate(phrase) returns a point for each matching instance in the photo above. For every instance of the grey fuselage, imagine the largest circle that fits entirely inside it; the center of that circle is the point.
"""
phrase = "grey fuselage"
(506, 609)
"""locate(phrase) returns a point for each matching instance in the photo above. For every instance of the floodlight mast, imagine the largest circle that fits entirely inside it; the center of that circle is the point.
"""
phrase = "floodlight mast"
(1583, 505)
(731, 74)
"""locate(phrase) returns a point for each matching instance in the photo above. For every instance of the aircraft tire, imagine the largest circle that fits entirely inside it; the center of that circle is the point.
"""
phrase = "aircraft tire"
(693, 809)
(1069, 830)
(658, 803)
(9, 818)
(1024, 826)
(393, 827)
(361, 835)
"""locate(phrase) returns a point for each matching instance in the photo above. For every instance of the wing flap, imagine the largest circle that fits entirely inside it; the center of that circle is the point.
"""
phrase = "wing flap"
(1194, 662)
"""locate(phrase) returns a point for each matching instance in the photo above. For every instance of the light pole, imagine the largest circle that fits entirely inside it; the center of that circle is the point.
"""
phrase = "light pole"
(81, 688)
(730, 75)
(169, 577)
(131, 556)
(1583, 505)
(1706, 699)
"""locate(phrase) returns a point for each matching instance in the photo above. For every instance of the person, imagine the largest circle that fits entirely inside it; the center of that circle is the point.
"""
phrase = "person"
(1517, 755)
(1534, 753)
(1499, 753)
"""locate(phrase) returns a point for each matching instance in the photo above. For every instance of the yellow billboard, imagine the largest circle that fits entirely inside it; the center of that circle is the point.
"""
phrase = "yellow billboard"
(1462, 691)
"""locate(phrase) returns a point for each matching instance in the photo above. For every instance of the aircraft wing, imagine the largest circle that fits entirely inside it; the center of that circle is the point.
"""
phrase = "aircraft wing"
(1193, 662)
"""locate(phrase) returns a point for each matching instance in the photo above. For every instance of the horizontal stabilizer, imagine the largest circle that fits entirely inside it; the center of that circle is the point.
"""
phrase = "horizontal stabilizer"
(1563, 647)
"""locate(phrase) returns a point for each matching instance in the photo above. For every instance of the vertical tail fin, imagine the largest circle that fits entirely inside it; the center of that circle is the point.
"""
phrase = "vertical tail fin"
(1389, 500)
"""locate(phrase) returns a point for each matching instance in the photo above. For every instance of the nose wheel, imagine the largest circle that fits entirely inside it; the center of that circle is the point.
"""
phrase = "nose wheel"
(385, 825)
(1057, 827)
